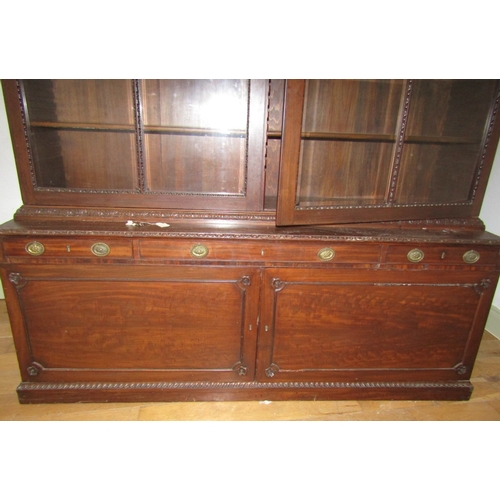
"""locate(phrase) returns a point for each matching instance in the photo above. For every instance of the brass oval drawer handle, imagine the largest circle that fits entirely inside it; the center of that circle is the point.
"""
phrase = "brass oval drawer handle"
(415, 255)
(326, 254)
(35, 248)
(471, 257)
(100, 249)
(199, 251)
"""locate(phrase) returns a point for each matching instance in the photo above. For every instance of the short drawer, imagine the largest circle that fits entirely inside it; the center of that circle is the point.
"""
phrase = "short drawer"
(266, 251)
(68, 248)
(446, 255)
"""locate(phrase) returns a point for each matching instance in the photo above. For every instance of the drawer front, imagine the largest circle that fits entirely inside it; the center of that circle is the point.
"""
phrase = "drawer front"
(67, 248)
(442, 255)
(266, 251)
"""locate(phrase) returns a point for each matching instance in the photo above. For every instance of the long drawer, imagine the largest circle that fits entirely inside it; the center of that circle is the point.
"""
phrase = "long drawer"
(258, 251)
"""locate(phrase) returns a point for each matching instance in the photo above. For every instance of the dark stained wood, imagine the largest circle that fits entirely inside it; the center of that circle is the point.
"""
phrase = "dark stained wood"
(124, 327)
(221, 275)
(416, 325)
(78, 160)
(371, 152)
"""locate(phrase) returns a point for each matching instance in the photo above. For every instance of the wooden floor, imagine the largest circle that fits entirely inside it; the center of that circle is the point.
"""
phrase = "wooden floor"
(484, 404)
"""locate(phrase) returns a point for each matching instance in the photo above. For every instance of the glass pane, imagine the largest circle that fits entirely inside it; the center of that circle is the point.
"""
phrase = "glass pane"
(443, 140)
(82, 133)
(196, 135)
(348, 135)
(433, 173)
(337, 173)
(352, 106)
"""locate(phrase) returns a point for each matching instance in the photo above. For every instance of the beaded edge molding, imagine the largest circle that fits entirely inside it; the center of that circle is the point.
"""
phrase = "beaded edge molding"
(46, 386)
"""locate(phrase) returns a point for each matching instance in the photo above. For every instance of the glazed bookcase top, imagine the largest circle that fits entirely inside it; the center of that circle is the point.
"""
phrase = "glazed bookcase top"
(294, 152)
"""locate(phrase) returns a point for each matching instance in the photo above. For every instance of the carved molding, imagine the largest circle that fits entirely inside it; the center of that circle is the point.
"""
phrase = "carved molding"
(126, 213)
(20, 98)
(332, 234)
(136, 92)
(48, 386)
(401, 136)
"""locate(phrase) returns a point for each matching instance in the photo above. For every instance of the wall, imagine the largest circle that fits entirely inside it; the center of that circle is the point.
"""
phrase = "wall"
(10, 196)
(490, 211)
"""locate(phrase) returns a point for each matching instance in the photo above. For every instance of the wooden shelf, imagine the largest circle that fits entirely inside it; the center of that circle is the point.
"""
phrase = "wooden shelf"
(100, 127)
(158, 129)
(311, 136)
(150, 129)
(327, 136)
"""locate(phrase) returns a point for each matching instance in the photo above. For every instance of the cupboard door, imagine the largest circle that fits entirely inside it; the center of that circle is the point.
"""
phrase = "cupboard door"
(183, 144)
(375, 150)
(325, 325)
(204, 141)
(136, 324)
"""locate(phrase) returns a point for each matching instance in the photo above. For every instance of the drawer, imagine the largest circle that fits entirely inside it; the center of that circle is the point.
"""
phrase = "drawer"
(265, 251)
(68, 248)
(442, 254)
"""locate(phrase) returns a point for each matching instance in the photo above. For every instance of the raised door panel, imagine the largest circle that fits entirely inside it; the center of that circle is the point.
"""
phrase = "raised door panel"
(371, 325)
(126, 324)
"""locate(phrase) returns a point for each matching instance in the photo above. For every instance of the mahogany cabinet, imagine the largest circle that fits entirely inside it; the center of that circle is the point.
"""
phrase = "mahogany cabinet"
(246, 239)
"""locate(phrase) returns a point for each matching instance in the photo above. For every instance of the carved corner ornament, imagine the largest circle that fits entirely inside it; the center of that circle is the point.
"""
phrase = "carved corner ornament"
(461, 369)
(240, 369)
(34, 369)
(18, 280)
(271, 370)
(277, 284)
(480, 287)
(244, 282)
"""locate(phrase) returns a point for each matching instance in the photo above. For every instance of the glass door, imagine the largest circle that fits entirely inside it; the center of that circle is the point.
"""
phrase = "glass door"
(375, 150)
(180, 144)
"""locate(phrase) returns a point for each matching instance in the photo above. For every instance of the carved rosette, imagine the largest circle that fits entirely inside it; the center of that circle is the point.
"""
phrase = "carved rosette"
(18, 280)
(271, 370)
(460, 369)
(482, 286)
(245, 281)
(240, 369)
(277, 284)
(34, 369)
